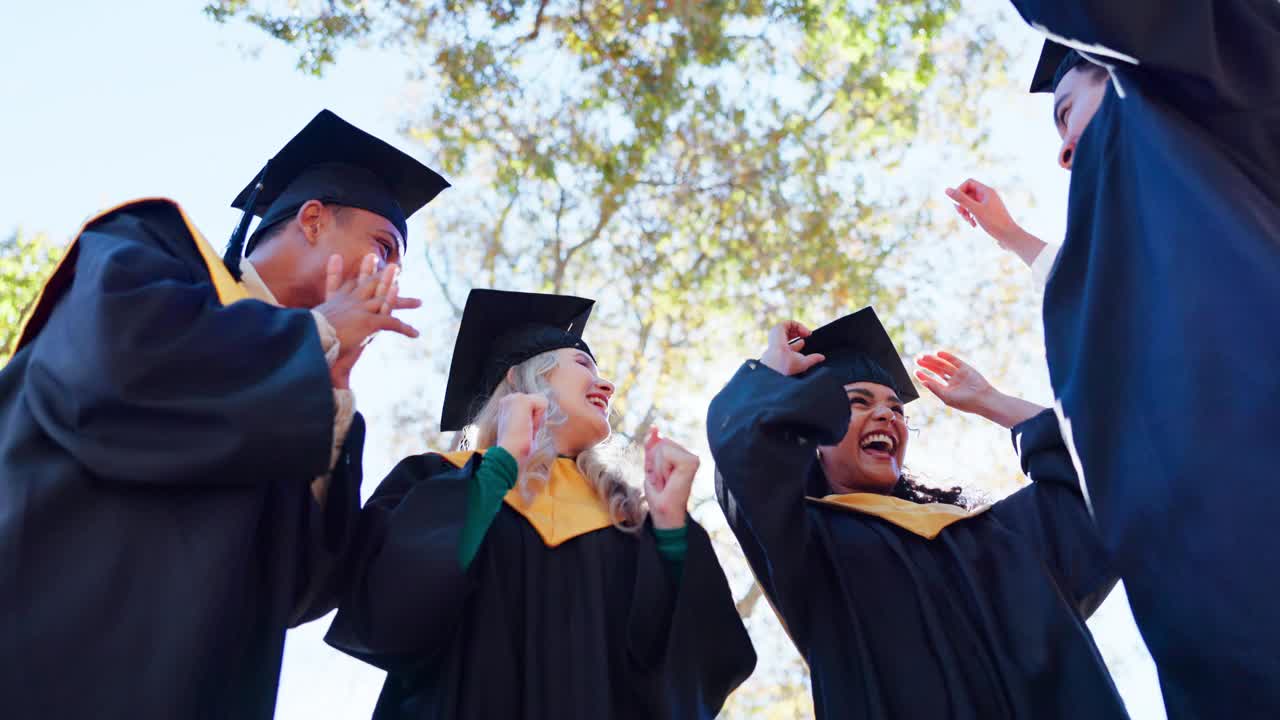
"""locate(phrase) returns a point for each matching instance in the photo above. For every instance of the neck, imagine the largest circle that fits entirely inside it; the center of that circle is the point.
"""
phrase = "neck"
(279, 273)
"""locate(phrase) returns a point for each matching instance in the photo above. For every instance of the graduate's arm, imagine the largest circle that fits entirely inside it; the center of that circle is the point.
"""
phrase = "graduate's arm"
(144, 377)
(407, 589)
(686, 641)
(1224, 48)
(1054, 513)
(330, 527)
(960, 386)
(764, 428)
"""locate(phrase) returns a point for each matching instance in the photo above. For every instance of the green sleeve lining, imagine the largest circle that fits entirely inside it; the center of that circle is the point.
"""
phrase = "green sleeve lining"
(672, 546)
(493, 479)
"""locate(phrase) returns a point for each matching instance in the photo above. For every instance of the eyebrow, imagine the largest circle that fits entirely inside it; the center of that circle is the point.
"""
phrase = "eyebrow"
(868, 395)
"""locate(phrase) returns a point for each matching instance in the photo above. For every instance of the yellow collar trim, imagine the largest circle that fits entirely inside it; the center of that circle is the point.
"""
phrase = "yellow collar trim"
(923, 520)
(566, 508)
(227, 288)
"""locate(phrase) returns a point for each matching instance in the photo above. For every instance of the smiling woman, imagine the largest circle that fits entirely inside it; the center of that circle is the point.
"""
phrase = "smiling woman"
(524, 576)
(905, 603)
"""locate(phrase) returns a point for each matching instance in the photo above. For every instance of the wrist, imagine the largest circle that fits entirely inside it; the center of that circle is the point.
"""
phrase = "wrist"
(1023, 244)
(668, 520)
(340, 377)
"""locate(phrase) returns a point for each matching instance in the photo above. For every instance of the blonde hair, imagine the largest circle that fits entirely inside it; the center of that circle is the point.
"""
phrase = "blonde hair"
(605, 465)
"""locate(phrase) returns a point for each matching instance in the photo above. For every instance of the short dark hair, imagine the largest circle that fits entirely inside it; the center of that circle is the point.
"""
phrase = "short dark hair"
(1074, 60)
(264, 234)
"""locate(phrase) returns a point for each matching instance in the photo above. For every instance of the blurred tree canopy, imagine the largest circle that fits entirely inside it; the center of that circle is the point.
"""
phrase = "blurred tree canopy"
(699, 167)
(703, 169)
(26, 260)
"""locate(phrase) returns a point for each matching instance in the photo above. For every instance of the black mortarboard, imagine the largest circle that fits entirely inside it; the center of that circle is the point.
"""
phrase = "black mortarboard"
(333, 161)
(859, 348)
(499, 330)
(1055, 61)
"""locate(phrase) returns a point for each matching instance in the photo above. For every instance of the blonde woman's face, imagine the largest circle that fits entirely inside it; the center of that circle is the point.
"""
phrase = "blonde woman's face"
(584, 397)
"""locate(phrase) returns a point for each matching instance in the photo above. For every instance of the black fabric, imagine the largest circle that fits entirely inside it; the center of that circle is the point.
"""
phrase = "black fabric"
(590, 630)
(499, 330)
(334, 161)
(1161, 334)
(1055, 62)
(157, 530)
(985, 621)
(858, 347)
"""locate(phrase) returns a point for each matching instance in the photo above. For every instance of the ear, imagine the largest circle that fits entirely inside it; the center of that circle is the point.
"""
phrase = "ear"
(310, 217)
(511, 377)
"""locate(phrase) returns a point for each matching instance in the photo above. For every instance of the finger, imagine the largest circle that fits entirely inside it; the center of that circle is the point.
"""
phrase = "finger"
(406, 303)
(957, 362)
(935, 364)
(653, 438)
(389, 299)
(963, 200)
(332, 276)
(368, 266)
(796, 330)
(931, 383)
(386, 279)
(396, 325)
(810, 360)
(796, 344)
(778, 335)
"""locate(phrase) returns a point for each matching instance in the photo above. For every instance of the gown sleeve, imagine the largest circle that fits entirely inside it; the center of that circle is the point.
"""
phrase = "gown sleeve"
(1220, 50)
(331, 531)
(407, 588)
(685, 638)
(144, 377)
(1053, 514)
(764, 429)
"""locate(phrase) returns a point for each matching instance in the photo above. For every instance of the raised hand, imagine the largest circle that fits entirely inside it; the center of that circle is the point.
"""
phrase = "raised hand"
(954, 382)
(963, 388)
(520, 416)
(669, 470)
(360, 307)
(783, 355)
(980, 205)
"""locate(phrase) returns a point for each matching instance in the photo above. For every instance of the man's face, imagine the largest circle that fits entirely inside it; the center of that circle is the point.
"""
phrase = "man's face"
(1075, 101)
(354, 233)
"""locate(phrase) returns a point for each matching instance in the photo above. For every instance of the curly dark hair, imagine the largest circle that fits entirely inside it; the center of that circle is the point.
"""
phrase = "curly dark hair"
(908, 489)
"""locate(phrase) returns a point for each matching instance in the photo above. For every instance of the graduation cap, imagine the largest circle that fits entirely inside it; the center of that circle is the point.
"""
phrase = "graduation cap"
(501, 329)
(1056, 60)
(333, 161)
(859, 348)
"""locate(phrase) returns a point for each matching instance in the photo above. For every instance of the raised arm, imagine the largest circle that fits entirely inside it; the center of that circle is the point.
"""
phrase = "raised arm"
(408, 587)
(764, 428)
(1054, 514)
(143, 376)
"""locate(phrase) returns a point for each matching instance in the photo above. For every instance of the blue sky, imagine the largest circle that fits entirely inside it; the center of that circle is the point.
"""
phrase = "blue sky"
(111, 101)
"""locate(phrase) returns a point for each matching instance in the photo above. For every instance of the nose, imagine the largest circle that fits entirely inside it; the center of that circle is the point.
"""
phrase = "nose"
(883, 412)
(1065, 154)
(605, 387)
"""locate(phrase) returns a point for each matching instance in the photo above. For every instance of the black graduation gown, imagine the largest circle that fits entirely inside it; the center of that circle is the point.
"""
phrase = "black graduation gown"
(987, 620)
(157, 531)
(1162, 326)
(589, 630)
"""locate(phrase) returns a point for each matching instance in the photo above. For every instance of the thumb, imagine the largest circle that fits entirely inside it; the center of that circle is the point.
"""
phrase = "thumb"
(810, 360)
(653, 438)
